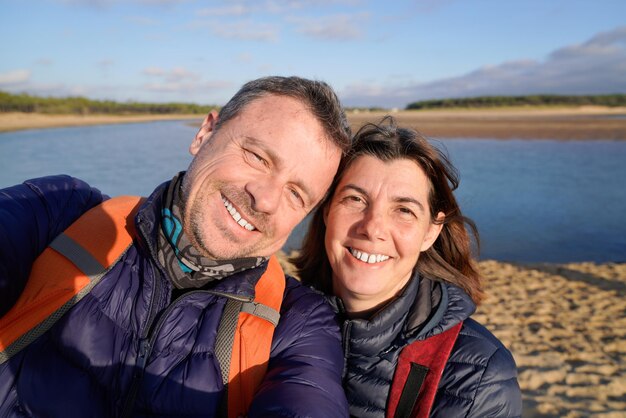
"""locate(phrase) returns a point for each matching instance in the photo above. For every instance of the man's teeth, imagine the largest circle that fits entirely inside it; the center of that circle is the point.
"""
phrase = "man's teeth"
(368, 258)
(237, 216)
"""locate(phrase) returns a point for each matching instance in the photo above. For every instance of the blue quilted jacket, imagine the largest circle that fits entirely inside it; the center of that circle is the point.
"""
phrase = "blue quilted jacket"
(479, 379)
(87, 365)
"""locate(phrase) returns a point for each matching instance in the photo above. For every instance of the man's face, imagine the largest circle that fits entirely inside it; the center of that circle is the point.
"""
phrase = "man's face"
(253, 180)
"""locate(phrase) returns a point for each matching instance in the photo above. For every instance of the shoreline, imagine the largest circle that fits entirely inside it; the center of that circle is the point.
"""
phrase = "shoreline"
(582, 123)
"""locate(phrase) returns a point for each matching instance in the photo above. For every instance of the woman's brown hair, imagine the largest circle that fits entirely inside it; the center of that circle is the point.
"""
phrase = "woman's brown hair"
(450, 258)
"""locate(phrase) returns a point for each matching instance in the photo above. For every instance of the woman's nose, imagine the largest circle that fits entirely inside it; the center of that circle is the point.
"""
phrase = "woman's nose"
(373, 225)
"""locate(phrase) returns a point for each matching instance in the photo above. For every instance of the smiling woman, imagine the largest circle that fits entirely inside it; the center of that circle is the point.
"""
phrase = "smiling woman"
(390, 248)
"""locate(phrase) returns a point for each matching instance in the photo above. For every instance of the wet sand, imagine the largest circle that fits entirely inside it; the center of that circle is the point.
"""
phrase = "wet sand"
(15, 121)
(566, 327)
(559, 123)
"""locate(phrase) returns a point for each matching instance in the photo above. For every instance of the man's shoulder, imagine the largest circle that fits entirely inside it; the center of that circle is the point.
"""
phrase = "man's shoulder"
(303, 299)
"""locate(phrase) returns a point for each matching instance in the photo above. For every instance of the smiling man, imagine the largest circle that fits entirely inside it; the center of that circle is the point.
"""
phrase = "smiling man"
(147, 338)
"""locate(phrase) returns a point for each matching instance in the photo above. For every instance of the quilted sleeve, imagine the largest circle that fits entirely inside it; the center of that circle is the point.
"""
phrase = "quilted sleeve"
(306, 362)
(498, 393)
(32, 214)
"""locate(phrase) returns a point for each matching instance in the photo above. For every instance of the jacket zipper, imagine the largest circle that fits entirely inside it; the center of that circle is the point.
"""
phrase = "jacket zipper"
(147, 344)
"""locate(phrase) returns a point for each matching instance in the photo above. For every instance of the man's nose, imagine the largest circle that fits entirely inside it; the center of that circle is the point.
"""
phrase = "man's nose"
(265, 194)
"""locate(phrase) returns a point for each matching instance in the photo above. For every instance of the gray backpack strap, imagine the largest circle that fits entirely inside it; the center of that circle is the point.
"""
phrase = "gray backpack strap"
(226, 335)
(85, 262)
(262, 311)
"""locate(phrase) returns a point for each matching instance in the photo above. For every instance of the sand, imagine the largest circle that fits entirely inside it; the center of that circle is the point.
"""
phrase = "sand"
(533, 123)
(15, 121)
(566, 327)
(564, 124)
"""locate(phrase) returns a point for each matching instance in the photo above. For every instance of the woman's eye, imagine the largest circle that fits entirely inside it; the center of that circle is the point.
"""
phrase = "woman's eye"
(353, 200)
(406, 212)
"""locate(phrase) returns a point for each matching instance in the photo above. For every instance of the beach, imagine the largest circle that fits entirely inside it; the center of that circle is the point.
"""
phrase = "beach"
(515, 123)
(566, 327)
(564, 323)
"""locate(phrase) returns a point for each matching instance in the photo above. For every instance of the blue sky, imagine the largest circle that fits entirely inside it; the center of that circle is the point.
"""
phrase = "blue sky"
(374, 53)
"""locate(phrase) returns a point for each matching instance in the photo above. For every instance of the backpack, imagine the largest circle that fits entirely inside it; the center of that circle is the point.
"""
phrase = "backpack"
(418, 373)
(78, 258)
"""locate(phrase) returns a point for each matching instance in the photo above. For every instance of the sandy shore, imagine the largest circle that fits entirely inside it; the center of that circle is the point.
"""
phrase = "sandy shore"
(566, 327)
(571, 123)
(15, 121)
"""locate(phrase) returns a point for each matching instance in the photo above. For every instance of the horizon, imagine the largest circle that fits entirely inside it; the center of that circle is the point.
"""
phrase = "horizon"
(372, 54)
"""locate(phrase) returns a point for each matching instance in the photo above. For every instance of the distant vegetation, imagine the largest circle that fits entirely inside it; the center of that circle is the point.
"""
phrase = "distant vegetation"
(514, 101)
(83, 106)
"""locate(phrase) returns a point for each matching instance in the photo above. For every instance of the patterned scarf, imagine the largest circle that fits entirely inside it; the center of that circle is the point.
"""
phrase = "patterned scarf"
(186, 267)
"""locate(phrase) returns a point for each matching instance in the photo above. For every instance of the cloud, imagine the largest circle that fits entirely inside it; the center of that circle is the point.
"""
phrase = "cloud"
(142, 20)
(105, 64)
(179, 82)
(338, 27)
(107, 3)
(597, 66)
(14, 78)
(175, 75)
(234, 10)
(44, 62)
(178, 87)
(246, 30)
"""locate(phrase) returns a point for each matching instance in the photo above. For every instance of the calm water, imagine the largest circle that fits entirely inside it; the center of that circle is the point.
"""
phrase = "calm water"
(550, 201)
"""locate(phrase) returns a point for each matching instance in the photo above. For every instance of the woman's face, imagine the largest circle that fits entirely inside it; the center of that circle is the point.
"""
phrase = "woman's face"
(377, 223)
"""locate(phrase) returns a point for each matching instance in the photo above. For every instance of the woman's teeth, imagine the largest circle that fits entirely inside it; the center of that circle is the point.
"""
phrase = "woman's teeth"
(368, 258)
(237, 216)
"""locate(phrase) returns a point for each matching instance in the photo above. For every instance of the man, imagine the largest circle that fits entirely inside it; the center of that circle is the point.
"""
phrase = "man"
(142, 342)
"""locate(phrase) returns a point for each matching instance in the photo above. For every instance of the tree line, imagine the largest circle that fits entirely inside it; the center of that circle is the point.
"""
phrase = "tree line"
(83, 106)
(611, 100)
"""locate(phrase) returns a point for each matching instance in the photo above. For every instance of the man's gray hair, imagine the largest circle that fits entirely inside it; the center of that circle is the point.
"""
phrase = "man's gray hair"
(318, 96)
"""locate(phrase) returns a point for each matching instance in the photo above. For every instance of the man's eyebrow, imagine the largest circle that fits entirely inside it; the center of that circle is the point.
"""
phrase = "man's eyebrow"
(279, 163)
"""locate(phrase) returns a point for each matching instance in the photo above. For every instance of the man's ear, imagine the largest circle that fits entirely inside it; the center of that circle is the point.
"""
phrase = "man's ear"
(207, 128)
(434, 229)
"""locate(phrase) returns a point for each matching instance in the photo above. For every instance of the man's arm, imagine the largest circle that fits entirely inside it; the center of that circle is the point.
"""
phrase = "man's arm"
(304, 373)
(32, 214)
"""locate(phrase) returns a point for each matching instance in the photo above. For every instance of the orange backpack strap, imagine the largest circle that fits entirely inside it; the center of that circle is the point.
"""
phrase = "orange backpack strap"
(67, 270)
(418, 373)
(244, 339)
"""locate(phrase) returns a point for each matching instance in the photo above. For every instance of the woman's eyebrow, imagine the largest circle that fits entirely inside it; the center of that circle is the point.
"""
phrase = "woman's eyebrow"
(354, 187)
(403, 199)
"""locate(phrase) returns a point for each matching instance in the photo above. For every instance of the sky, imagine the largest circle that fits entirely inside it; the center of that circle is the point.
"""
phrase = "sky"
(374, 53)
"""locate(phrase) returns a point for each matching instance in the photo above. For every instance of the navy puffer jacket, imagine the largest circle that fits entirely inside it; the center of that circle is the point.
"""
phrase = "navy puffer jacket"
(479, 379)
(87, 364)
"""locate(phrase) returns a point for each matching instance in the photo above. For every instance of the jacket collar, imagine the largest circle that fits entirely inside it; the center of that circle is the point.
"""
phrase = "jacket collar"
(424, 308)
(147, 222)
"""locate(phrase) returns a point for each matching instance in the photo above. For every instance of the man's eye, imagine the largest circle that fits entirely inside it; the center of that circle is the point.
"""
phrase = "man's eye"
(297, 197)
(255, 158)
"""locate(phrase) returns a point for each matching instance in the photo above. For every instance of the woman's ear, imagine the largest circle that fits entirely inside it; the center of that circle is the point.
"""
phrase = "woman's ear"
(205, 132)
(434, 229)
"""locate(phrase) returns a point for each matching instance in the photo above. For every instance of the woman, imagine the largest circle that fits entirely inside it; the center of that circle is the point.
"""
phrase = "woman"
(390, 249)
